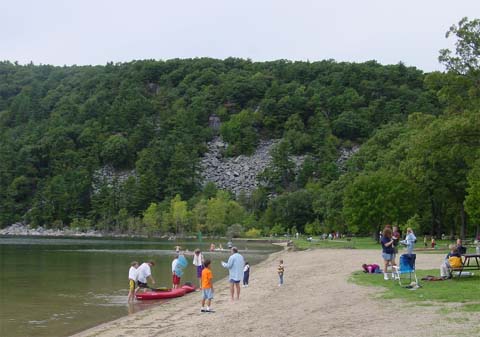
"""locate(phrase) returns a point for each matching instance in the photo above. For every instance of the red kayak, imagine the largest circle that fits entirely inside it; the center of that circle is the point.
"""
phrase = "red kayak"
(158, 295)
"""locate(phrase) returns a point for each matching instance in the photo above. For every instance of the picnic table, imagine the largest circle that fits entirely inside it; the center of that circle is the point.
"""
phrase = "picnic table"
(469, 262)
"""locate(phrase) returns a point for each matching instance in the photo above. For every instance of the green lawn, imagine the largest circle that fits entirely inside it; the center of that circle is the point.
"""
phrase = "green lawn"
(366, 243)
(350, 243)
(465, 290)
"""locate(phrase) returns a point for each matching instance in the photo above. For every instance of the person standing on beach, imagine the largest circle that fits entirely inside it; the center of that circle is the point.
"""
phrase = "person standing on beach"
(246, 274)
(175, 277)
(132, 280)
(144, 272)
(198, 262)
(280, 271)
(235, 266)
(207, 287)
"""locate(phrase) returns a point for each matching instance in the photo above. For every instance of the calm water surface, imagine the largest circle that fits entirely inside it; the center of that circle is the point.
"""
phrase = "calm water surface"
(57, 286)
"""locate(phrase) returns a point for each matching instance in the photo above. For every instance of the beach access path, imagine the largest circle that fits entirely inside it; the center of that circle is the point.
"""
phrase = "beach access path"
(316, 300)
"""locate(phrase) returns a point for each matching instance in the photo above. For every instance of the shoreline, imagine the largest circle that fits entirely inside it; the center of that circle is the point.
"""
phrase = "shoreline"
(21, 230)
(93, 331)
(316, 300)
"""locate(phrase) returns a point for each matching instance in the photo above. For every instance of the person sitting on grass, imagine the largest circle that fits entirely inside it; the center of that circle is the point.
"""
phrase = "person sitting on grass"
(452, 260)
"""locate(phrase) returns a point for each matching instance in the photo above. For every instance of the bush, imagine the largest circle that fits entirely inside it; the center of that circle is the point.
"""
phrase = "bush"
(253, 233)
(234, 231)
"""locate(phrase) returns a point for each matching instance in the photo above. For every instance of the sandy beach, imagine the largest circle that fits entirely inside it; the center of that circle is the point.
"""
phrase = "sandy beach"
(316, 300)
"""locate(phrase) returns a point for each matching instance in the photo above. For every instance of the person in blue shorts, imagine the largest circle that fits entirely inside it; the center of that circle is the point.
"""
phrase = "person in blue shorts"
(207, 287)
(235, 266)
(388, 250)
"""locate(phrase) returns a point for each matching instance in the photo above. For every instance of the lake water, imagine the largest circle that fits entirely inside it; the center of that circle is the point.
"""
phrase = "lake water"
(58, 286)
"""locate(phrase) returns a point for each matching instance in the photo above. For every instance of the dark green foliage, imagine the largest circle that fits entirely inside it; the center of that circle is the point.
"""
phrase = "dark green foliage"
(60, 125)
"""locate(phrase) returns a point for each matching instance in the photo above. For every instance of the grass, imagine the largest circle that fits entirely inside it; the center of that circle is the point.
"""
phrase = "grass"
(350, 243)
(463, 291)
(366, 243)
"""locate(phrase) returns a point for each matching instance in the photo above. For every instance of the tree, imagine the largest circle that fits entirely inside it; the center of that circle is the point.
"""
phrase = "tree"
(378, 198)
(467, 48)
(151, 218)
(240, 133)
(472, 200)
(179, 214)
(217, 213)
(115, 151)
(281, 172)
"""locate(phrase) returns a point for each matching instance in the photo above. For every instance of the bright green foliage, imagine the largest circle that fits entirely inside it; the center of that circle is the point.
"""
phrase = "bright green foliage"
(151, 218)
(313, 228)
(179, 214)
(253, 233)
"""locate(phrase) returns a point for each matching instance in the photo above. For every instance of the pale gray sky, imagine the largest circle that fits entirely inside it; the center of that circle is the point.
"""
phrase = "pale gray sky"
(98, 31)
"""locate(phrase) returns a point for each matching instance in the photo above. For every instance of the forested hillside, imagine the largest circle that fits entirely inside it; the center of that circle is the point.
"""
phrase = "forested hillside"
(148, 121)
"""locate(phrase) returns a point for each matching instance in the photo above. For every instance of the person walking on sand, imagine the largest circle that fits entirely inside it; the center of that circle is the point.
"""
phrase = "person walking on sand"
(246, 274)
(207, 287)
(235, 266)
(198, 262)
(280, 271)
(132, 280)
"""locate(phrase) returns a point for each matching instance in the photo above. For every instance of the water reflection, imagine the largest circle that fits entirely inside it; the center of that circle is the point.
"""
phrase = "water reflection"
(63, 286)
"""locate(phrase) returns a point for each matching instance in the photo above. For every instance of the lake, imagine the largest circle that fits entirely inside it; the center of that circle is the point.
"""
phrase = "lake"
(59, 286)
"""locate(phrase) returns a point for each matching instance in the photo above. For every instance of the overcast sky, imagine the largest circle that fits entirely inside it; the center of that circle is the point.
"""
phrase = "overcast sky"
(98, 31)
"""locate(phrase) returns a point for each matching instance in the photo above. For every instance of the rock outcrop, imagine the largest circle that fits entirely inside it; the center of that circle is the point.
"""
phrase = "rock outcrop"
(238, 173)
(20, 229)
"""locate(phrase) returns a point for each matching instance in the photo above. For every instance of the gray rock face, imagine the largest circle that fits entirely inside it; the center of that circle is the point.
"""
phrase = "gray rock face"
(108, 176)
(22, 229)
(345, 154)
(238, 173)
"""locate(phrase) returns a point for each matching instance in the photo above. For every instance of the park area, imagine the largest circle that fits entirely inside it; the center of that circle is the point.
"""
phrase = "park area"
(325, 294)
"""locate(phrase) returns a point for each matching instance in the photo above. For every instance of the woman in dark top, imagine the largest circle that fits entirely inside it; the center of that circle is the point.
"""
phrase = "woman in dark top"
(387, 250)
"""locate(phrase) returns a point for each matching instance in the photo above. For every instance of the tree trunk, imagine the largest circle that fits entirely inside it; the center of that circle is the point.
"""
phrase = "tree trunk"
(463, 222)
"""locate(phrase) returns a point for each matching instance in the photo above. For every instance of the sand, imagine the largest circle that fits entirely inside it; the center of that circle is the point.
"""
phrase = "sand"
(316, 300)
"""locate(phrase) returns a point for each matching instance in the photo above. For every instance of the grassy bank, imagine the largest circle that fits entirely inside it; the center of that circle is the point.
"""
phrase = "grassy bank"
(366, 243)
(462, 291)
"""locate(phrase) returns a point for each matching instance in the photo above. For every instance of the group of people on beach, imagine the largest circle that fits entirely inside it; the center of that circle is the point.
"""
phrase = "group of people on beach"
(238, 271)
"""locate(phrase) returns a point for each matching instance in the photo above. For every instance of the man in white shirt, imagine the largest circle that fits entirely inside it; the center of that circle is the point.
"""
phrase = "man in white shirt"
(144, 272)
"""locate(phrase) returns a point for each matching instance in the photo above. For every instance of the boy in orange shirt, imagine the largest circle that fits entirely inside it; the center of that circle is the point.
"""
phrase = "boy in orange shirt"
(207, 286)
